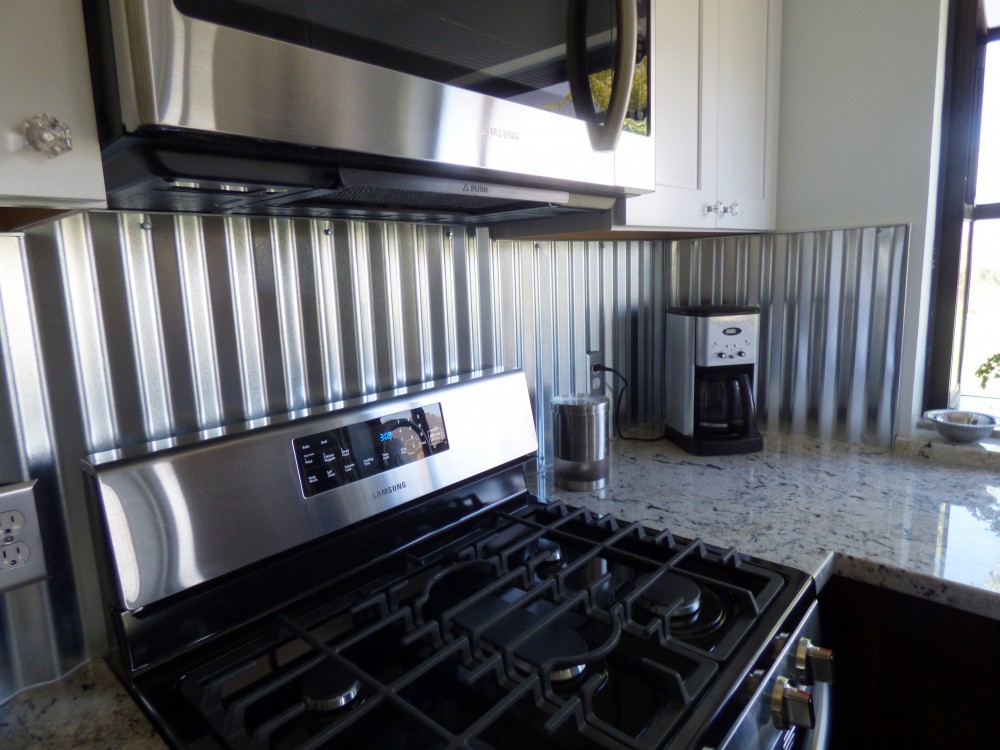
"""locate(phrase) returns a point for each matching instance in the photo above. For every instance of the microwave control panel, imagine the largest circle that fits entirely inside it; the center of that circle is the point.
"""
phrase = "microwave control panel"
(336, 457)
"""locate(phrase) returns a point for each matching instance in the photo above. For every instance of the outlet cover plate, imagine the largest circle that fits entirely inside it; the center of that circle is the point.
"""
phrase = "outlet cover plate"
(20, 498)
(595, 379)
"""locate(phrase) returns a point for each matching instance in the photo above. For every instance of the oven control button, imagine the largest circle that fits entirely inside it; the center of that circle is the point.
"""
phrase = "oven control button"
(791, 706)
(813, 662)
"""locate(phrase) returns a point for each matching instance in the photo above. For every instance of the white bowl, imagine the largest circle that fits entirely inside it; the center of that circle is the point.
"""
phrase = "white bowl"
(961, 426)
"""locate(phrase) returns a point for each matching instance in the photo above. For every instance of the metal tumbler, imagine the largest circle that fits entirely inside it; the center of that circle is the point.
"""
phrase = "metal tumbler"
(580, 441)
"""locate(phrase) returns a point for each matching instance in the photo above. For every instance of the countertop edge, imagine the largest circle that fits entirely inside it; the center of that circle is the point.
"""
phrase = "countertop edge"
(905, 581)
(824, 570)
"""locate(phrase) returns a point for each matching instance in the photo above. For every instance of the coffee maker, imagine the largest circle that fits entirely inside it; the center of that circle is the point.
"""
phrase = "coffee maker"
(711, 353)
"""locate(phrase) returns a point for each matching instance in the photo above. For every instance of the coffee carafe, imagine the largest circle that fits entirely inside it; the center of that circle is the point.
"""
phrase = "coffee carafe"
(711, 353)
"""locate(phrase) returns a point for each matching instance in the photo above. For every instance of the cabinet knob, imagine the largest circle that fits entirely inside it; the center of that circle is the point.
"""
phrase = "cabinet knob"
(733, 209)
(47, 135)
(715, 208)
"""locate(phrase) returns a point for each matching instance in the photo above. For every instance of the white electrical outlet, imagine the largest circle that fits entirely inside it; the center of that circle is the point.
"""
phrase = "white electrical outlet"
(11, 523)
(12, 555)
(595, 378)
(22, 560)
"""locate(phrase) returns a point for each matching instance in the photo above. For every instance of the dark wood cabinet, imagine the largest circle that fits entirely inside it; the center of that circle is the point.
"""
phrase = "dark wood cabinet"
(910, 673)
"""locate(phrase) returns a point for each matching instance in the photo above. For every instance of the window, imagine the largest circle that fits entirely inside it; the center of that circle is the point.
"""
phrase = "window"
(981, 336)
(965, 292)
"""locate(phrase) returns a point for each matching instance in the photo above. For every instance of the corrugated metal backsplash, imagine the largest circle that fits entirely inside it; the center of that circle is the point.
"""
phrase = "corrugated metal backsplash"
(121, 328)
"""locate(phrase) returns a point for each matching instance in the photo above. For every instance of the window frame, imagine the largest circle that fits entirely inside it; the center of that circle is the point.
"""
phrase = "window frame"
(956, 207)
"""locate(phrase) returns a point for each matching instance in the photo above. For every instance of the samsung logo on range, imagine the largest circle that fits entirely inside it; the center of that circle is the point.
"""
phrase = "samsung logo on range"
(388, 490)
(507, 135)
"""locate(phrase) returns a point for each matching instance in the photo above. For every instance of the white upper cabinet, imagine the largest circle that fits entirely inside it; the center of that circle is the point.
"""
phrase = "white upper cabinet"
(44, 71)
(715, 110)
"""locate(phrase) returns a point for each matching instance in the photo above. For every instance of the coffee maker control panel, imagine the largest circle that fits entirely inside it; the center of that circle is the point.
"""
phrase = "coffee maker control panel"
(726, 340)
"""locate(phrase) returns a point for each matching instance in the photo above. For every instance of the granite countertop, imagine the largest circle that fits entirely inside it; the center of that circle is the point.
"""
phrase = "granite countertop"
(918, 523)
(915, 523)
(86, 710)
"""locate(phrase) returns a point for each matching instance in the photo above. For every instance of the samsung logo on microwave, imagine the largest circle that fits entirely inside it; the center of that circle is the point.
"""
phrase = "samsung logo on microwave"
(504, 133)
(388, 490)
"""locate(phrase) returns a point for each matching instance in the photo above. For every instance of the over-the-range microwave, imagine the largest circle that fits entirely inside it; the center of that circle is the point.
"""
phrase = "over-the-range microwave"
(457, 111)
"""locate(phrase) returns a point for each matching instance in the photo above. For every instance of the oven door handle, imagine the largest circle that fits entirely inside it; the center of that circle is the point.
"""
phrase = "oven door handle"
(602, 137)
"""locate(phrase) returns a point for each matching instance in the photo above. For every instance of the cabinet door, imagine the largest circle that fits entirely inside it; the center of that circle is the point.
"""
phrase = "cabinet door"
(715, 107)
(685, 66)
(44, 69)
(749, 51)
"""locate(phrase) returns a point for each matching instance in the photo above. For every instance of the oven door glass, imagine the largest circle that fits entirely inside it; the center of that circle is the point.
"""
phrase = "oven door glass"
(560, 56)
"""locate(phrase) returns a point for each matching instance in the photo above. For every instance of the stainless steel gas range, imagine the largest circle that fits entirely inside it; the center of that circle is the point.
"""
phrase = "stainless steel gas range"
(375, 574)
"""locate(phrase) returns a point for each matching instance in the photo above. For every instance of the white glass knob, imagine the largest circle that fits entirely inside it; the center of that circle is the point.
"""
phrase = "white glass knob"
(47, 135)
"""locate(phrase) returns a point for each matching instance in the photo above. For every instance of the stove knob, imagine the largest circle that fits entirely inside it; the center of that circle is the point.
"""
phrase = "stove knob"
(723, 355)
(814, 662)
(752, 682)
(791, 706)
(779, 644)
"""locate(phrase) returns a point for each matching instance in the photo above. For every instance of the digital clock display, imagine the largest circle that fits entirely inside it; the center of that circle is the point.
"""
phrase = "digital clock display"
(346, 454)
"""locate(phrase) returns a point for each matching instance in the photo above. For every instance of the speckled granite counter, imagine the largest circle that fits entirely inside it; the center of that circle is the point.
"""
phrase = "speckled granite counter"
(909, 523)
(913, 523)
(87, 710)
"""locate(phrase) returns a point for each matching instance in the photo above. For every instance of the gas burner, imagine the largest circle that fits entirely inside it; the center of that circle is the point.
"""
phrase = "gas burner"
(566, 686)
(710, 617)
(551, 555)
(328, 687)
(665, 592)
(552, 641)
(553, 549)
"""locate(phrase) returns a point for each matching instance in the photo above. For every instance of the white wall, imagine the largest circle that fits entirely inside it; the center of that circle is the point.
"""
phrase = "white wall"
(861, 88)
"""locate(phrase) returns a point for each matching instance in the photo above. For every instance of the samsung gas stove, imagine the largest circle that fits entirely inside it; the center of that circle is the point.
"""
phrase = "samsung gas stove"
(375, 574)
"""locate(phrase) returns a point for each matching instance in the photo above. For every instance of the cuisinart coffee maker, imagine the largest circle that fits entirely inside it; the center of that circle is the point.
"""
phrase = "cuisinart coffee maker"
(711, 353)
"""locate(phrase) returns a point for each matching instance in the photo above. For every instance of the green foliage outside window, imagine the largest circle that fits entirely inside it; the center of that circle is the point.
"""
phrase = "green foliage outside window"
(988, 369)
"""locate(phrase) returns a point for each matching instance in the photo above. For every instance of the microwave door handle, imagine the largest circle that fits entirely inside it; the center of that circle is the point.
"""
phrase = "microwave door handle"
(624, 74)
(603, 138)
(576, 63)
(749, 407)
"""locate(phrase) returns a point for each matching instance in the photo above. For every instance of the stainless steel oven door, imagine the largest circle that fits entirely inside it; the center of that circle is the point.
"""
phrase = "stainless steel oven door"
(553, 90)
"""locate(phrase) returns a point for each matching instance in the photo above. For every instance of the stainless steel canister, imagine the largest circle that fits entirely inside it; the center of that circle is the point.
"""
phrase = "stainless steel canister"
(580, 441)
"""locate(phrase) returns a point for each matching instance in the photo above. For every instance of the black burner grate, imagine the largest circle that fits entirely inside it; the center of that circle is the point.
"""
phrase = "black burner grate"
(453, 652)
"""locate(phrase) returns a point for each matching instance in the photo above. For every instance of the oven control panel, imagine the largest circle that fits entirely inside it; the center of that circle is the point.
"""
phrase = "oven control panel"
(337, 457)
